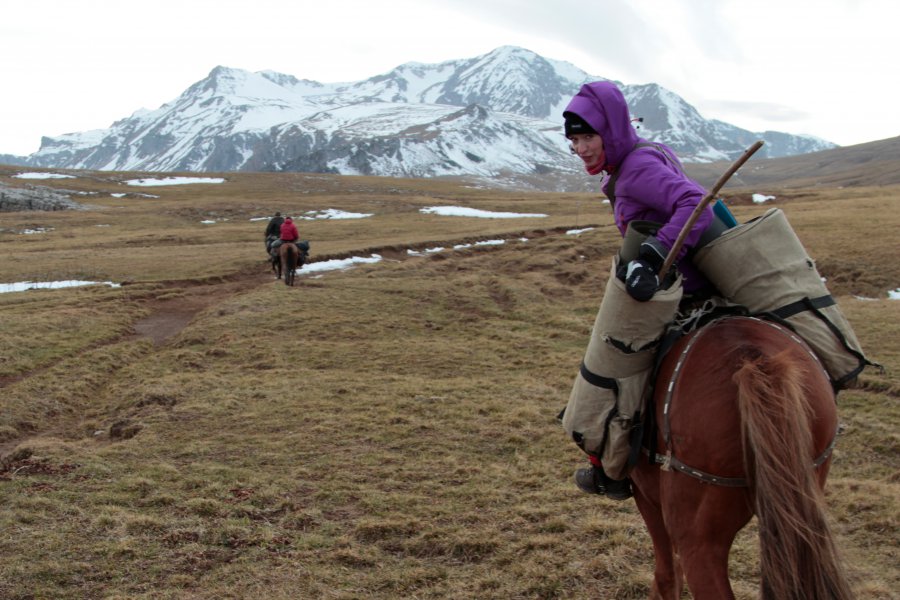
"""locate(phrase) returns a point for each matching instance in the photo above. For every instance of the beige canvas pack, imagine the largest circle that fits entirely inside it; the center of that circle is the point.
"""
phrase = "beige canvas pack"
(762, 265)
(608, 394)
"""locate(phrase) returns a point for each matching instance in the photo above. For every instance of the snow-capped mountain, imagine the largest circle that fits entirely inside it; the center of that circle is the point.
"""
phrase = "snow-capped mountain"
(496, 115)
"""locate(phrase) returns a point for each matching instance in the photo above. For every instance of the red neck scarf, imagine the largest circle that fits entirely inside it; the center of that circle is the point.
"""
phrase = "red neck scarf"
(600, 166)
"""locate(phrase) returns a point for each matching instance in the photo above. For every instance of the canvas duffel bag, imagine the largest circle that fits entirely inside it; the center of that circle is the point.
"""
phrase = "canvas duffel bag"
(607, 398)
(762, 265)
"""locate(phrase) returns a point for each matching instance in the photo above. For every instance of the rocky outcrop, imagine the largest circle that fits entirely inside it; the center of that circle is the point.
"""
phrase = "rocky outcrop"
(35, 197)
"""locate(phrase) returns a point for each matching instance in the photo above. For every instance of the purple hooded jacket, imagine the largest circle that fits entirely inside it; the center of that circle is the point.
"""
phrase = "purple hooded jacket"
(649, 186)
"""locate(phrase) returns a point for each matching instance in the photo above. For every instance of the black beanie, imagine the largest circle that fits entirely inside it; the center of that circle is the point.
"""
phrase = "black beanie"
(575, 124)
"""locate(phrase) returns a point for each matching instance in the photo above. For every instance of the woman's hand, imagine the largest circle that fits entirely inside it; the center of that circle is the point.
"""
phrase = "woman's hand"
(642, 274)
(641, 280)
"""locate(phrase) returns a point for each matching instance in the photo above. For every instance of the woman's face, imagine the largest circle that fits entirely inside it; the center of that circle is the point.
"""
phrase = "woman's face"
(588, 147)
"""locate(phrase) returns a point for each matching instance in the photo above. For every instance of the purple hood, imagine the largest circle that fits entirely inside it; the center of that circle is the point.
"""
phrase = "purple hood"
(603, 106)
(650, 184)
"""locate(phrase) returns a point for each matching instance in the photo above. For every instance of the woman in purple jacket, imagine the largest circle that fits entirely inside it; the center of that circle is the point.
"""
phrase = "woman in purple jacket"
(645, 182)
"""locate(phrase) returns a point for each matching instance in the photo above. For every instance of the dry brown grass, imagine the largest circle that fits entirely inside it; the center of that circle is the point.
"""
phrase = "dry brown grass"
(869, 164)
(384, 432)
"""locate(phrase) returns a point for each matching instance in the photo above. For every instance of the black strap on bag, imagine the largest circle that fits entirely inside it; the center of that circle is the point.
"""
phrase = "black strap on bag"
(599, 381)
(789, 310)
(611, 188)
(814, 305)
(607, 383)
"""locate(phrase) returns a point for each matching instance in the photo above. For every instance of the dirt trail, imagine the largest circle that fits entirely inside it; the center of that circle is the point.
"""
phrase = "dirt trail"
(169, 317)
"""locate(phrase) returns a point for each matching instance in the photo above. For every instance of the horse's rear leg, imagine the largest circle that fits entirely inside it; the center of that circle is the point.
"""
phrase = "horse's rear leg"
(667, 578)
(703, 523)
(292, 261)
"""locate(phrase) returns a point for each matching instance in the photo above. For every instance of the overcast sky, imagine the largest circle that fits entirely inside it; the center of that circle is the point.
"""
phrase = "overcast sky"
(824, 68)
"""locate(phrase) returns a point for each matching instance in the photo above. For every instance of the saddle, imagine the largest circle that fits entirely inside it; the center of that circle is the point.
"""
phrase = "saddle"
(302, 250)
(272, 245)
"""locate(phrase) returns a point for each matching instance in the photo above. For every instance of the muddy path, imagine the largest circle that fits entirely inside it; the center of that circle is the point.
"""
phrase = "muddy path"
(168, 317)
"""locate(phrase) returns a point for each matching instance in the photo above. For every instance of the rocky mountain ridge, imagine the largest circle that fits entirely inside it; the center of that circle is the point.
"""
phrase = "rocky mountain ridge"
(495, 116)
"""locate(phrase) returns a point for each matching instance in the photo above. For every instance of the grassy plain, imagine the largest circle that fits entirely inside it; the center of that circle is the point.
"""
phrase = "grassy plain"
(383, 432)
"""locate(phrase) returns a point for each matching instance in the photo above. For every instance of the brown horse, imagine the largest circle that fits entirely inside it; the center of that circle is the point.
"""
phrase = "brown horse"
(746, 421)
(289, 255)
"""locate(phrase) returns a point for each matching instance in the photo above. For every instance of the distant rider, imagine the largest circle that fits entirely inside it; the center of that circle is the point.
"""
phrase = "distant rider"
(289, 231)
(273, 230)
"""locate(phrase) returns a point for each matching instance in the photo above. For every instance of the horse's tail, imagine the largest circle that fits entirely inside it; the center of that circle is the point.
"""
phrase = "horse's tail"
(798, 555)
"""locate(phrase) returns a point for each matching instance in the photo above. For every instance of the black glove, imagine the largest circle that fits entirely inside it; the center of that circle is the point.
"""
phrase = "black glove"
(641, 280)
(653, 252)
(641, 276)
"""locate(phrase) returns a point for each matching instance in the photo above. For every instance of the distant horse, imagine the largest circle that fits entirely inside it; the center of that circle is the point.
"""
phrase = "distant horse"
(289, 257)
(275, 261)
(746, 421)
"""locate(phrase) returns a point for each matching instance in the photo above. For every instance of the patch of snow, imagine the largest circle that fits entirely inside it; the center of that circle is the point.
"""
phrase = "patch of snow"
(461, 211)
(336, 264)
(43, 176)
(332, 213)
(894, 294)
(482, 243)
(425, 251)
(461, 246)
(761, 198)
(174, 181)
(578, 231)
(22, 286)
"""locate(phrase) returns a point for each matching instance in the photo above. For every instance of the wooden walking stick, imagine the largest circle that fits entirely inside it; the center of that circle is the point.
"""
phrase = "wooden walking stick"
(709, 197)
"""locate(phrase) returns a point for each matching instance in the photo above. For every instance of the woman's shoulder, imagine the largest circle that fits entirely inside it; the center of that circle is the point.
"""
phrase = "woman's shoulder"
(641, 163)
(645, 152)
(644, 175)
